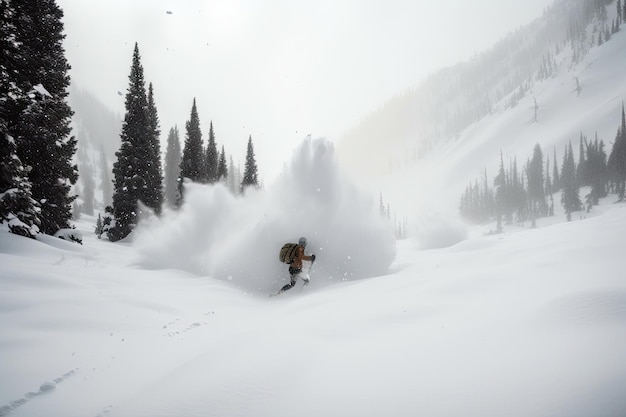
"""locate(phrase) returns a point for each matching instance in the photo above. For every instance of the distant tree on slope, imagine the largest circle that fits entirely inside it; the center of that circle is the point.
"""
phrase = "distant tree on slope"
(570, 198)
(192, 164)
(617, 159)
(222, 169)
(536, 193)
(172, 166)
(212, 157)
(250, 175)
(192, 160)
(597, 170)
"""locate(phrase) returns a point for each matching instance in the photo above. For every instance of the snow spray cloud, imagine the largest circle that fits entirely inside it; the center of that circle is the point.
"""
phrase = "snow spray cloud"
(434, 230)
(237, 238)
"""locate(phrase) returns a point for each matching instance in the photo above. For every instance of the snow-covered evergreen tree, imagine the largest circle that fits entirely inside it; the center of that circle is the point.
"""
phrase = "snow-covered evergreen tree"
(536, 192)
(172, 166)
(617, 159)
(17, 208)
(233, 178)
(89, 185)
(222, 169)
(105, 180)
(38, 117)
(192, 159)
(570, 197)
(597, 170)
(192, 164)
(133, 170)
(212, 157)
(250, 174)
(154, 197)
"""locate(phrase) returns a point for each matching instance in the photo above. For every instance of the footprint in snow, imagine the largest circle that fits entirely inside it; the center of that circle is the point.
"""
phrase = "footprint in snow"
(45, 387)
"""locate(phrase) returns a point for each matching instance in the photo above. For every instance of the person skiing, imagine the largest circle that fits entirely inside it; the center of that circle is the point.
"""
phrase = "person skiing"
(295, 266)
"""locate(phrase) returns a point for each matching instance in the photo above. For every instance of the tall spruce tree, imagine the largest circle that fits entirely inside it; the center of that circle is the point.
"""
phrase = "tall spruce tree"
(597, 170)
(172, 166)
(536, 192)
(89, 185)
(581, 168)
(192, 161)
(502, 194)
(556, 177)
(106, 184)
(570, 197)
(233, 180)
(212, 157)
(250, 175)
(617, 159)
(38, 116)
(548, 187)
(17, 207)
(222, 169)
(154, 197)
(134, 169)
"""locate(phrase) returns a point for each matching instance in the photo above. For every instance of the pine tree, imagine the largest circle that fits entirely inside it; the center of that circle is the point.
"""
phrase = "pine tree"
(597, 170)
(99, 227)
(134, 169)
(233, 180)
(581, 169)
(89, 185)
(556, 178)
(17, 207)
(105, 184)
(502, 193)
(172, 166)
(154, 197)
(222, 170)
(570, 198)
(548, 187)
(250, 176)
(536, 192)
(192, 161)
(617, 159)
(41, 126)
(212, 157)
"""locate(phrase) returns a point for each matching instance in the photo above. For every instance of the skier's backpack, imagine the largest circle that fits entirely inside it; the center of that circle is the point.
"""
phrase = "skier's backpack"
(288, 252)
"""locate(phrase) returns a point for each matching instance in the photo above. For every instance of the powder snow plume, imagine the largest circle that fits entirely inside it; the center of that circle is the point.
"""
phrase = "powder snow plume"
(237, 238)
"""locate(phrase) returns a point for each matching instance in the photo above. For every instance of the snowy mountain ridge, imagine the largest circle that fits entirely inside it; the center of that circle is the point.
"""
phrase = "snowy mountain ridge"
(563, 115)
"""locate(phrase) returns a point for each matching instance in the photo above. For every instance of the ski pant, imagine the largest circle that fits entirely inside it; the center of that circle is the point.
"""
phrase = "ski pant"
(294, 272)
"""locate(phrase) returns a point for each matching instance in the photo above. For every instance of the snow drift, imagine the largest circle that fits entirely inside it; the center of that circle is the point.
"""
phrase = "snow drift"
(237, 238)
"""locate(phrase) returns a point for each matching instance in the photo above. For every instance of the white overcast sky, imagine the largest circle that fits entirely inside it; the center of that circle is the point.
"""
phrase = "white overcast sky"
(277, 69)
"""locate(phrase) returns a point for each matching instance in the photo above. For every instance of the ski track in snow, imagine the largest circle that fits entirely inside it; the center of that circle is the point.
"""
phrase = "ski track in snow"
(45, 388)
(176, 323)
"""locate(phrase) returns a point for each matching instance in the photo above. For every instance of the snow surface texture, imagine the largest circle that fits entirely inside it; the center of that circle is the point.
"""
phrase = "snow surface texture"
(528, 323)
(238, 238)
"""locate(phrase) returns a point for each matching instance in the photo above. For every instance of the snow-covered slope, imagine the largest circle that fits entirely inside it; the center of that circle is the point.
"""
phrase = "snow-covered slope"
(523, 324)
(437, 179)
